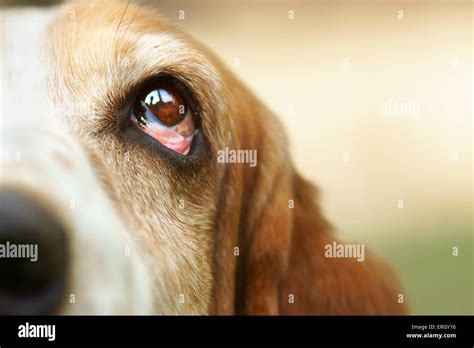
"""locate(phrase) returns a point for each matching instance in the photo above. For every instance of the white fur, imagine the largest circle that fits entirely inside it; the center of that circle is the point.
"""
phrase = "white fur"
(103, 278)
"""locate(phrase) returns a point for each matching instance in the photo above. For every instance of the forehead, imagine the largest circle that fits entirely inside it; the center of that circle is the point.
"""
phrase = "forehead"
(110, 46)
(94, 52)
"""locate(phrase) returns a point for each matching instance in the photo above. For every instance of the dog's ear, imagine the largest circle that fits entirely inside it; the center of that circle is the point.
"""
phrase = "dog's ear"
(259, 210)
(254, 220)
(316, 282)
(280, 208)
(271, 237)
(284, 267)
(266, 221)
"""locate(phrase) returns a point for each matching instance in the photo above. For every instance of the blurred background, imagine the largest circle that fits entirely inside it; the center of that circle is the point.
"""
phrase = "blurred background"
(376, 97)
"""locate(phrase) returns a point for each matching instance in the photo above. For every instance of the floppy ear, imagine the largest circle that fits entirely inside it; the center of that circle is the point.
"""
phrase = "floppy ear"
(285, 268)
(252, 238)
(315, 283)
(270, 236)
(266, 228)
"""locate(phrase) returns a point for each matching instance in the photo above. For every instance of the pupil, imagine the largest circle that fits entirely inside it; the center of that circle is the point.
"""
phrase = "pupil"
(166, 104)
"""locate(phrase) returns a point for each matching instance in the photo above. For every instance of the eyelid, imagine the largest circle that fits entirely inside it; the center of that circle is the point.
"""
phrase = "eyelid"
(168, 137)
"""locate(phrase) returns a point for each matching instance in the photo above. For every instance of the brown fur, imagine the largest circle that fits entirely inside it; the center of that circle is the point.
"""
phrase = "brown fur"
(190, 251)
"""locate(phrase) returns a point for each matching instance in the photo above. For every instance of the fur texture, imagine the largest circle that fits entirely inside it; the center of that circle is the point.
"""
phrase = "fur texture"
(180, 219)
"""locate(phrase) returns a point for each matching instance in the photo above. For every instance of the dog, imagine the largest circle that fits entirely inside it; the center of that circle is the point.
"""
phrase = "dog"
(113, 120)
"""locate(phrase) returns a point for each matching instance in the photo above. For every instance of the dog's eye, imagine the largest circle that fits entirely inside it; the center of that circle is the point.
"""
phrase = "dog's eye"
(162, 113)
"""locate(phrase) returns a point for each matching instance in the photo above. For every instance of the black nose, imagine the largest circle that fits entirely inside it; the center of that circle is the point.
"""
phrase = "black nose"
(33, 257)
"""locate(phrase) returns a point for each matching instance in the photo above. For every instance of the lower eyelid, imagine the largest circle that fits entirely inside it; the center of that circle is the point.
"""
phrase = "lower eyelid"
(169, 138)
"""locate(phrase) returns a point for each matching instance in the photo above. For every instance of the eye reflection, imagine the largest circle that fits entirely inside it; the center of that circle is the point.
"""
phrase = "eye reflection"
(162, 113)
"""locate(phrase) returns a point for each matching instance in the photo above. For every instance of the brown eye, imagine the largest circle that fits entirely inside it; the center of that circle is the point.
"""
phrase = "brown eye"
(166, 103)
(161, 112)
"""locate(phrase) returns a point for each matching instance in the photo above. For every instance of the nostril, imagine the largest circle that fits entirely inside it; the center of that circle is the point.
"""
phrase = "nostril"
(33, 256)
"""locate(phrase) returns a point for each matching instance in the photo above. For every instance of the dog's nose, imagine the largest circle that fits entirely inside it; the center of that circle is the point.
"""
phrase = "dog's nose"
(33, 257)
